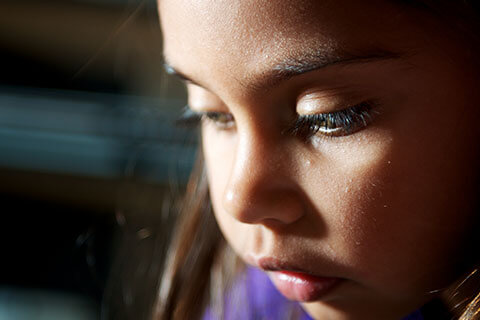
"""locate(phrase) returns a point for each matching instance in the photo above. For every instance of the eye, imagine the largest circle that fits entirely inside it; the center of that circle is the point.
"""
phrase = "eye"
(221, 120)
(339, 123)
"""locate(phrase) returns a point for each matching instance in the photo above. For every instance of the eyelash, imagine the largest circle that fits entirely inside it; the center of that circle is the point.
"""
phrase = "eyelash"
(334, 124)
(190, 118)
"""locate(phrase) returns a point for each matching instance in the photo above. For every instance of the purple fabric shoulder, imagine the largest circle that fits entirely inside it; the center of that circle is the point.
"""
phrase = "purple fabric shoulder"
(255, 297)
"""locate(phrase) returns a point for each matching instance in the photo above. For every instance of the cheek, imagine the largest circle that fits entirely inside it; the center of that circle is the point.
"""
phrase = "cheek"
(397, 210)
(219, 153)
(345, 180)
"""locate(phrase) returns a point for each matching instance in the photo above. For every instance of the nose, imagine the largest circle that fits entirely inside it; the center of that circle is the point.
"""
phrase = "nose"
(262, 188)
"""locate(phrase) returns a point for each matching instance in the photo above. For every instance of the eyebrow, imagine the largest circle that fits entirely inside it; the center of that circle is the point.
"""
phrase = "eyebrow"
(296, 66)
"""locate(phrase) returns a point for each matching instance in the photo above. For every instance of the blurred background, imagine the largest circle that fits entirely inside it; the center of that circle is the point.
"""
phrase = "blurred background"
(90, 158)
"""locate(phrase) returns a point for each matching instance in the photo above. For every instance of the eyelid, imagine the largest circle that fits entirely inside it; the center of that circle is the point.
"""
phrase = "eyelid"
(315, 102)
(202, 100)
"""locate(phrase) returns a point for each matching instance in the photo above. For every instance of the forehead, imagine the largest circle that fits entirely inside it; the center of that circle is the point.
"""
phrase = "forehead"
(209, 38)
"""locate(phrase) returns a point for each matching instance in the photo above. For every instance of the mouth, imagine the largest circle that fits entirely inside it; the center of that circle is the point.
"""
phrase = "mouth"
(297, 284)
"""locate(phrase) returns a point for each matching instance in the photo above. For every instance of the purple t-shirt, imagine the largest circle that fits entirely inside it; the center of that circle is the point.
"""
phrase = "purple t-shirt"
(255, 297)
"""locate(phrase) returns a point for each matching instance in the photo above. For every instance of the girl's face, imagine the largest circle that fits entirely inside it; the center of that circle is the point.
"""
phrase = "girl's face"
(339, 140)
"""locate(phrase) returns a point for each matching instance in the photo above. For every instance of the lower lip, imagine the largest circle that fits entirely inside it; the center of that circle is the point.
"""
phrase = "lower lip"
(302, 287)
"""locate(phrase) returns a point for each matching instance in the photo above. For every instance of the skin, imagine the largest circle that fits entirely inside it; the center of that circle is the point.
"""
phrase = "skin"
(388, 208)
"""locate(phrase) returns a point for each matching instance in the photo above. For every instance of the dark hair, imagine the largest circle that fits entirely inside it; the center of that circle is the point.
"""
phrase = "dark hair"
(200, 264)
(195, 247)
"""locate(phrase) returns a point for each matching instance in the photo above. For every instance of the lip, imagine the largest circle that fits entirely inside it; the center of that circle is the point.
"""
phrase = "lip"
(295, 283)
(302, 287)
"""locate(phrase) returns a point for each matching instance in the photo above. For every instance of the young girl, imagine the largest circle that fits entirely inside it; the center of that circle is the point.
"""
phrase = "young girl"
(340, 158)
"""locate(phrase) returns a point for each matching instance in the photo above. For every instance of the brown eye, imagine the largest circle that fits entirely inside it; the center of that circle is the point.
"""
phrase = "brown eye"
(191, 118)
(221, 120)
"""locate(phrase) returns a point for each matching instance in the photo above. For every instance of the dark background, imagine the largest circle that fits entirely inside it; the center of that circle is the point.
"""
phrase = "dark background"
(90, 158)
